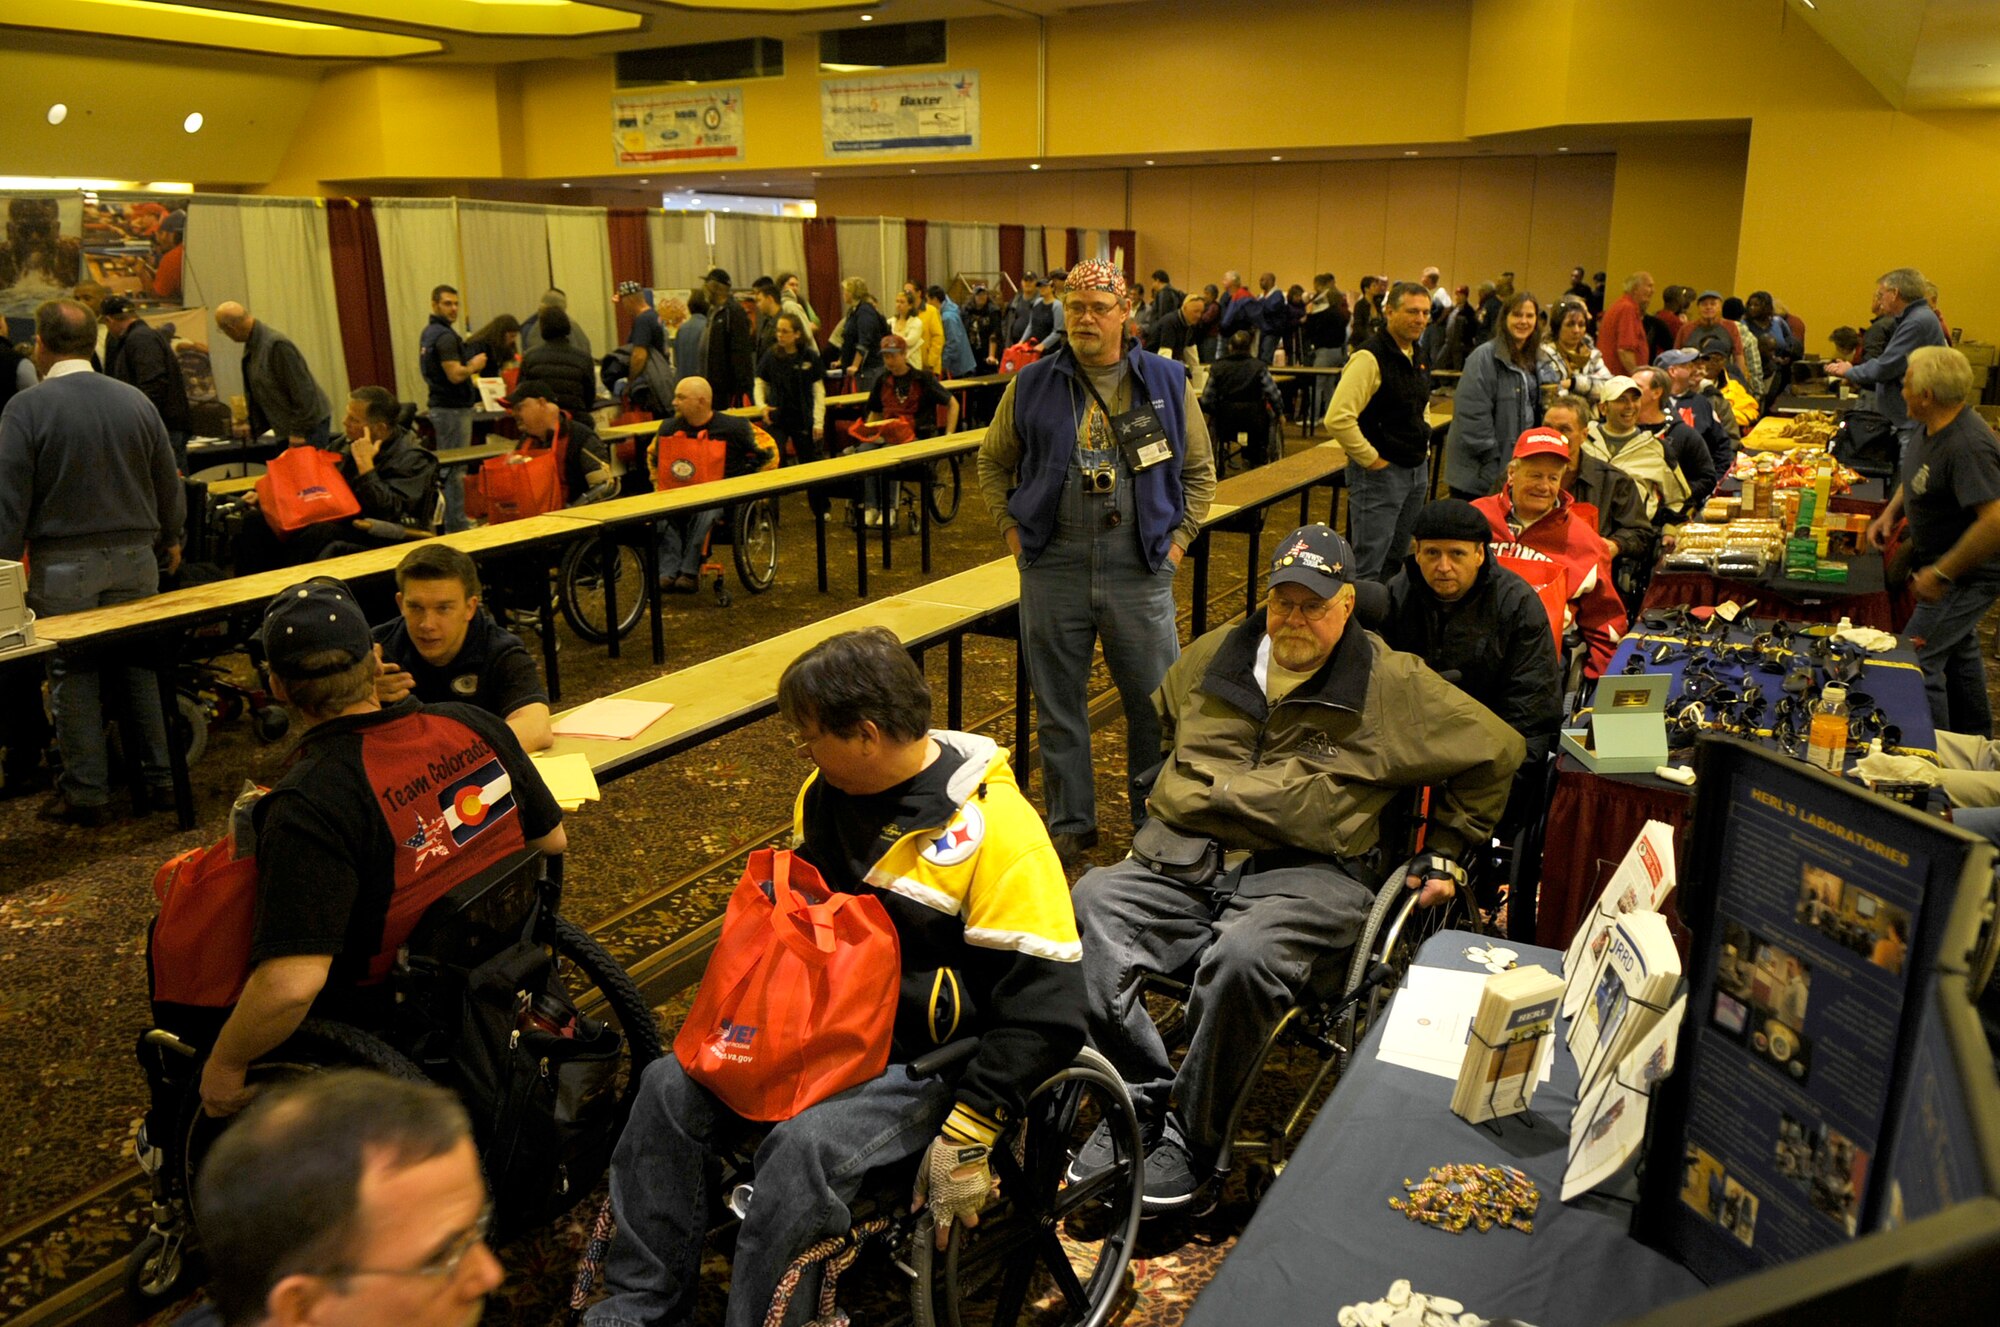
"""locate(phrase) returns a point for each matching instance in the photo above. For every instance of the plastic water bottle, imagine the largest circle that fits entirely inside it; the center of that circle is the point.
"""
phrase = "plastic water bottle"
(1826, 741)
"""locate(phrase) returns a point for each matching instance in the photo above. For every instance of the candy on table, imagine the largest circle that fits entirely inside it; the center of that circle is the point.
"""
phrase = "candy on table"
(1468, 1194)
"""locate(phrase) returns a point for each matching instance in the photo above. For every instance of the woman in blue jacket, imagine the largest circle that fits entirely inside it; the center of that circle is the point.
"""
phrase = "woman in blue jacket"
(1499, 397)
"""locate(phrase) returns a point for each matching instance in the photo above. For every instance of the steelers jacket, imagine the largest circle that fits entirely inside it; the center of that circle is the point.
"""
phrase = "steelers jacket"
(988, 938)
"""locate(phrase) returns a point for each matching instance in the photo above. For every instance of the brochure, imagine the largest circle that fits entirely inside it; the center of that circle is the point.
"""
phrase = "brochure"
(1643, 879)
(1516, 1015)
(1636, 982)
(1609, 1125)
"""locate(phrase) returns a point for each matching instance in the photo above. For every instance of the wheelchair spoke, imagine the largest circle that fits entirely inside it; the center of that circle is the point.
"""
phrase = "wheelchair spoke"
(1013, 1292)
(1107, 1183)
(1057, 1258)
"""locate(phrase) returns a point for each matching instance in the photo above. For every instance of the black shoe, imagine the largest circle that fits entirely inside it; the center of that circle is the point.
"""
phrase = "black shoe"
(678, 585)
(1096, 1156)
(157, 800)
(1170, 1178)
(1071, 847)
(60, 808)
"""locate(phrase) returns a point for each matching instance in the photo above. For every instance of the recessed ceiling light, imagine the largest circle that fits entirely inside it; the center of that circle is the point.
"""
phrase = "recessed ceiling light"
(1277, 158)
(193, 122)
(645, 181)
(1034, 165)
(1149, 161)
(1810, 5)
(815, 175)
(565, 184)
(1410, 153)
(867, 18)
(58, 113)
(1562, 149)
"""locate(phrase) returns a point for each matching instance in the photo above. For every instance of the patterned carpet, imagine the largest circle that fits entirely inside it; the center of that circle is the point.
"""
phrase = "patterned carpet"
(647, 864)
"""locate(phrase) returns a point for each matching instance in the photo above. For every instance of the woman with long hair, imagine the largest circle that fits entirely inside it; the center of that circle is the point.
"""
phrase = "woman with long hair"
(908, 323)
(1499, 398)
(1569, 359)
(791, 390)
(500, 341)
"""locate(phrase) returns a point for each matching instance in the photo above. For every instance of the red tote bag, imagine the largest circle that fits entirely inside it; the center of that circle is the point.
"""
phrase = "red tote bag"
(527, 483)
(681, 460)
(200, 943)
(303, 486)
(799, 999)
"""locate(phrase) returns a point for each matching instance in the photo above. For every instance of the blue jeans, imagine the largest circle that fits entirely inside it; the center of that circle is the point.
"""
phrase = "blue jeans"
(1245, 968)
(453, 427)
(1090, 584)
(1945, 636)
(683, 540)
(1325, 357)
(1382, 510)
(73, 580)
(874, 488)
(807, 1173)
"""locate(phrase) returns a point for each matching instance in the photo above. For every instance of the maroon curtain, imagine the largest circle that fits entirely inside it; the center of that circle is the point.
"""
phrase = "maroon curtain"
(916, 234)
(1072, 247)
(823, 273)
(631, 256)
(1127, 241)
(1013, 248)
(360, 295)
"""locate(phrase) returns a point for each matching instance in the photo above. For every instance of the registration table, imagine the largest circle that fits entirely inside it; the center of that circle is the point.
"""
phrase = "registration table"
(1593, 818)
(1325, 1235)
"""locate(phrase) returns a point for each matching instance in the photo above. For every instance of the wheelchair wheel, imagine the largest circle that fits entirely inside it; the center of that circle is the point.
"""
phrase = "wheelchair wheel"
(1396, 928)
(754, 541)
(943, 491)
(588, 964)
(1051, 1250)
(580, 588)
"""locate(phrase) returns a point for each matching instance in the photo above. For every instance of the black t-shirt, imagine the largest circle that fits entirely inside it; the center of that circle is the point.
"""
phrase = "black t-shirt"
(915, 396)
(1948, 476)
(788, 385)
(492, 670)
(380, 815)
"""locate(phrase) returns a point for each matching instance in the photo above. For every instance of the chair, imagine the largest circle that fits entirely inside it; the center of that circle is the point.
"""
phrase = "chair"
(482, 965)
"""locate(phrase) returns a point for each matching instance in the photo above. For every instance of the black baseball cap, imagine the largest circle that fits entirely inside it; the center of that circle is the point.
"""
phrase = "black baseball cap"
(1315, 557)
(115, 306)
(527, 391)
(314, 617)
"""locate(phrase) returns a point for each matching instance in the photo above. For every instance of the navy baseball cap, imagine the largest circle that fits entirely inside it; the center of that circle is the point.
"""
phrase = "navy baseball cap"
(315, 617)
(1670, 359)
(1315, 557)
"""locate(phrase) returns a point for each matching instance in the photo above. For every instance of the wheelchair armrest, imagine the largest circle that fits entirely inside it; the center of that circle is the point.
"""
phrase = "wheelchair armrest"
(947, 1057)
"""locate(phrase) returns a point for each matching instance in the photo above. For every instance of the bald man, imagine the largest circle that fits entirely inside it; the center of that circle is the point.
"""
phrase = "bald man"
(276, 382)
(694, 428)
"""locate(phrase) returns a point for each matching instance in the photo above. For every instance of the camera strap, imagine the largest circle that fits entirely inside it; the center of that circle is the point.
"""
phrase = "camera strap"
(1142, 438)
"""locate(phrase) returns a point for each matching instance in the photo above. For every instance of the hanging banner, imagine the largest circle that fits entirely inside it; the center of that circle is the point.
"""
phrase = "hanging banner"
(134, 246)
(900, 113)
(40, 254)
(648, 128)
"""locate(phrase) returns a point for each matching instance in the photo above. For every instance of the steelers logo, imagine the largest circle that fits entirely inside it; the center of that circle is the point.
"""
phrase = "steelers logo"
(682, 469)
(960, 838)
(471, 809)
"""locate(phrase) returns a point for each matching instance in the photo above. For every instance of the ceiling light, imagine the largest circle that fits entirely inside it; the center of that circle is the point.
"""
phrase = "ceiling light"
(1810, 5)
(1149, 161)
(1277, 158)
(565, 184)
(867, 18)
(1410, 153)
(1034, 165)
(58, 113)
(193, 122)
(1562, 149)
(646, 181)
(815, 175)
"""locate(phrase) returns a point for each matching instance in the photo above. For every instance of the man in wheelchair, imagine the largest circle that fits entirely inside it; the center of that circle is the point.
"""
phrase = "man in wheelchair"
(697, 428)
(932, 824)
(384, 810)
(1286, 736)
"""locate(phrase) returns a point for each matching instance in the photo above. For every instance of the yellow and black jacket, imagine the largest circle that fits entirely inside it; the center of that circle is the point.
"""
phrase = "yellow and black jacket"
(982, 911)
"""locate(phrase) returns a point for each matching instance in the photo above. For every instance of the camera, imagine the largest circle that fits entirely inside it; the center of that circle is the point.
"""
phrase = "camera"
(1100, 479)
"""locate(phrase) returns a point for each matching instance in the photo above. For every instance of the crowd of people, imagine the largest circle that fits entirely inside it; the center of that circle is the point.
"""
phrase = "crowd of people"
(1580, 438)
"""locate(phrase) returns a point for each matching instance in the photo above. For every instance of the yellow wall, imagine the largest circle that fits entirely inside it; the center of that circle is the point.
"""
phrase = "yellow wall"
(1676, 209)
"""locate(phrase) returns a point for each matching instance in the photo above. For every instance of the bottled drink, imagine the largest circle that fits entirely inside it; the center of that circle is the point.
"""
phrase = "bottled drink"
(1826, 742)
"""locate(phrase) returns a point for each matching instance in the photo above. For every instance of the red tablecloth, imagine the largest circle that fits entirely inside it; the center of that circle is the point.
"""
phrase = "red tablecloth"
(1699, 589)
(1592, 821)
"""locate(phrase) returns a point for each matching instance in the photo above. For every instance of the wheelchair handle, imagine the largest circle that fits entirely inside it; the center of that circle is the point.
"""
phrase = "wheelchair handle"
(946, 1057)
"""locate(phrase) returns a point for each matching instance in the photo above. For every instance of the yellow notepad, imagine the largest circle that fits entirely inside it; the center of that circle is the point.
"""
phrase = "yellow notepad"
(569, 778)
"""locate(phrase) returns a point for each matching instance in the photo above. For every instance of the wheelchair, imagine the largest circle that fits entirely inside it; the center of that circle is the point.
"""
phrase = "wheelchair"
(481, 1001)
(750, 529)
(1044, 1246)
(1345, 994)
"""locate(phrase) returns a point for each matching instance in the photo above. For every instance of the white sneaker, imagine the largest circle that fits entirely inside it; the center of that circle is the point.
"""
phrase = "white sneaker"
(873, 517)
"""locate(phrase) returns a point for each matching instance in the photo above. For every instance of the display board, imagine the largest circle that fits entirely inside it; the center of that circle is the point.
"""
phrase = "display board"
(1818, 912)
(40, 248)
(648, 128)
(901, 112)
(134, 246)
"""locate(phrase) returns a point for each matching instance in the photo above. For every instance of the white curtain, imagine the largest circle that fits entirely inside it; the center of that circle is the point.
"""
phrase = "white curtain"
(680, 251)
(419, 238)
(1034, 255)
(937, 255)
(876, 249)
(505, 255)
(963, 248)
(272, 256)
(580, 265)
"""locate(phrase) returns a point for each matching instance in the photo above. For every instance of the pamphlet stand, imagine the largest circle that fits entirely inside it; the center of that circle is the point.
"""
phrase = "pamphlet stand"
(1627, 1184)
(1589, 1067)
(1521, 1107)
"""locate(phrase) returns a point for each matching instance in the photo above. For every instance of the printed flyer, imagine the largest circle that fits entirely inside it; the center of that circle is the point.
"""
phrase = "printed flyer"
(904, 112)
(648, 128)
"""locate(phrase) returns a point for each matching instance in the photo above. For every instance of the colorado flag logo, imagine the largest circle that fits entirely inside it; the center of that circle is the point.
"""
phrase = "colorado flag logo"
(477, 801)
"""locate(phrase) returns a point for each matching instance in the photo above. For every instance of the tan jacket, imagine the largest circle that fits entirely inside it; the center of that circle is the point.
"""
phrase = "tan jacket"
(1316, 772)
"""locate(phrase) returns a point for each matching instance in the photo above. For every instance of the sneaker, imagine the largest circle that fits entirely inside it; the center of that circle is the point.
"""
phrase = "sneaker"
(1096, 1156)
(1072, 845)
(873, 518)
(1170, 1178)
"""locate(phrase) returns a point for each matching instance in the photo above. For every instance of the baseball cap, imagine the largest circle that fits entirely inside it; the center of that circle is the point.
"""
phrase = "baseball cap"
(1708, 294)
(114, 306)
(1455, 518)
(1670, 359)
(310, 618)
(893, 344)
(1617, 387)
(527, 391)
(629, 288)
(1542, 442)
(719, 275)
(1315, 557)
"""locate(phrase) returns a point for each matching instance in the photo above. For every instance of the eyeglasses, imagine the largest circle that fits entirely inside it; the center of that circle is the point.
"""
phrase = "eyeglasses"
(442, 1267)
(1079, 309)
(1312, 610)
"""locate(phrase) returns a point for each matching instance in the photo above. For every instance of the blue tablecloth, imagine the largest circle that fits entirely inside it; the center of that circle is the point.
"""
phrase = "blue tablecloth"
(1325, 1235)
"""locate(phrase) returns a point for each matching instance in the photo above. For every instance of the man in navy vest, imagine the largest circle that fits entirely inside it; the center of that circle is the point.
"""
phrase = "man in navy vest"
(1098, 465)
(453, 393)
(1377, 418)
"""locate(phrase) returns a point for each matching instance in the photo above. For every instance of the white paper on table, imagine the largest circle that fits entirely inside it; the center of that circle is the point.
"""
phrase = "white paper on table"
(1430, 1023)
(1609, 1125)
(611, 719)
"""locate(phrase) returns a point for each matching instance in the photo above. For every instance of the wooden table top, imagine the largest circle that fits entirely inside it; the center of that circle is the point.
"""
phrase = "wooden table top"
(451, 456)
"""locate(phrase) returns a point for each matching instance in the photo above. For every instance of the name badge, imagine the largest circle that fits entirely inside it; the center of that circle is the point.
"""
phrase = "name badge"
(1142, 438)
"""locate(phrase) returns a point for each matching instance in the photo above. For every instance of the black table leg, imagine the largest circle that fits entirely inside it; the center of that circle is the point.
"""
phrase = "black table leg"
(1250, 566)
(860, 555)
(177, 764)
(819, 538)
(954, 686)
(545, 619)
(655, 597)
(889, 515)
(607, 552)
(924, 518)
(1198, 615)
(1024, 771)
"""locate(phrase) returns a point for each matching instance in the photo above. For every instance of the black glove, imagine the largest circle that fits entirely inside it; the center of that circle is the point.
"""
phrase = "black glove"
(1437, 875)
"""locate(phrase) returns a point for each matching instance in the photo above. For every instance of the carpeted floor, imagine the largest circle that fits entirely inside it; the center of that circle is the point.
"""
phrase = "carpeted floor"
(652, 859)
